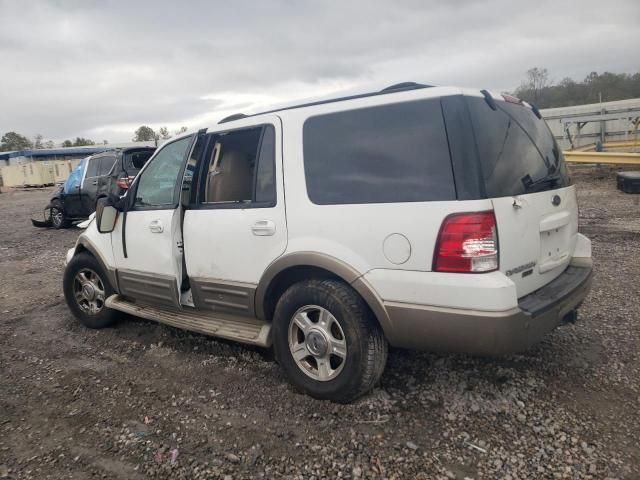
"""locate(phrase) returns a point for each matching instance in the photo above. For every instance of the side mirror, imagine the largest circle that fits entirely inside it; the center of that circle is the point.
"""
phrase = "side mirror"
(106, 215)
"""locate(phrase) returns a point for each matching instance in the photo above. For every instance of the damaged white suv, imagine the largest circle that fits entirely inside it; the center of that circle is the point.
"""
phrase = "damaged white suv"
(420, 217)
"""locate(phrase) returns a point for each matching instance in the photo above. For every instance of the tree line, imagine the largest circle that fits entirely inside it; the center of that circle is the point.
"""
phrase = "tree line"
(14, 141)
(536, 88)
(145, 133)
(539, 89)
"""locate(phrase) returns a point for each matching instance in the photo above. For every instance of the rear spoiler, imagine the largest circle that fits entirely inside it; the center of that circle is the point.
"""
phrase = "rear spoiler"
(511, 99)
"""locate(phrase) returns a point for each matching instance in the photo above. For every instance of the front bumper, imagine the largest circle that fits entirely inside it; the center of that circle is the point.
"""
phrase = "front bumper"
(489, 333)
(70, 253)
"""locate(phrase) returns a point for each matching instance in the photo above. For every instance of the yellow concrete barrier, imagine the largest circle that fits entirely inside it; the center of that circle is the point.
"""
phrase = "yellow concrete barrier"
(32, 174)
(611, 158)
(622, 143)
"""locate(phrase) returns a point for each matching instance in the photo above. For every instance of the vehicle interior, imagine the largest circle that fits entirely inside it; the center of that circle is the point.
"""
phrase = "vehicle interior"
(232, 167)
(134, 161)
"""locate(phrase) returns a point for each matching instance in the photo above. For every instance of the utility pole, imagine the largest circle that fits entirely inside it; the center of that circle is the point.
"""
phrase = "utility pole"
(603, 124)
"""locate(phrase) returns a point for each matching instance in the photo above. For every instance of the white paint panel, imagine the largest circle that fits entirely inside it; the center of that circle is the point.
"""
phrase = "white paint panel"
(149, 252)
(220, 243)
(101, 242)
(539, 232)
(583, 247)
(356, 233)
(492, 292)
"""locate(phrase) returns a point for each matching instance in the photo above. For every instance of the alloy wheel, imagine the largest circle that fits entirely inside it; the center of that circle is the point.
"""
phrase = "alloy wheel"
(88, 290)
(317, 343)
(57, 216)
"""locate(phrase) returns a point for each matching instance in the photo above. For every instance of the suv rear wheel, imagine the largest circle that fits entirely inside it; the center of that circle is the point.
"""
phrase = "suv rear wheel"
(327, 341)
(86, 287)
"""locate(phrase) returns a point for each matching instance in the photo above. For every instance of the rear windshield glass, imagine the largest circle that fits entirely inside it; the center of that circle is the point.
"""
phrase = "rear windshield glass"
(134, 161)
(388, 153)
(518, 153)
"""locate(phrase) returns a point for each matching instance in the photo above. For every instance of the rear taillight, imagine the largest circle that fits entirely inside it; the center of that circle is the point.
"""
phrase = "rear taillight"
(467, 242)
(124, 182)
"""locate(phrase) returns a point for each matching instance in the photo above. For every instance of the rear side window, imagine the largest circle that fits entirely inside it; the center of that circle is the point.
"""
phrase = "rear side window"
(516, 149)
(105, 164)
(266, 175)
(92, 167)
(388, 153)
(134, 161)
(241, 169)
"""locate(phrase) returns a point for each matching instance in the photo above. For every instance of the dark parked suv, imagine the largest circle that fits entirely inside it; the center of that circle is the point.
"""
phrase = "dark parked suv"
(95, 177)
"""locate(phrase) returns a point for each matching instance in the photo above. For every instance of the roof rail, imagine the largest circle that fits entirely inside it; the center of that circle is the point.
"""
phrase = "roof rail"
(235, 116)
(404, 86)
(398, 87)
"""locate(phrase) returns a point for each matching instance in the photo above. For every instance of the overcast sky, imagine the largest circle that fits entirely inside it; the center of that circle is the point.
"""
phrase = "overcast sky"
(100, 69)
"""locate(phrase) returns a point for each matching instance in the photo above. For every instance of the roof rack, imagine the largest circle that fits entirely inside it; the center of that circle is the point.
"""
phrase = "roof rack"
(398, 87)
(235, 116)
(404, 86)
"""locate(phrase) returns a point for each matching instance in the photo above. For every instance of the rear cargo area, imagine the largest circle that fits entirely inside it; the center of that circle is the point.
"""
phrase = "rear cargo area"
(525, 176)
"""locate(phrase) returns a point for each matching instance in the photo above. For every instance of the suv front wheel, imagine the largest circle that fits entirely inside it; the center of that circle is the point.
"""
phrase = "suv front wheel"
(327, 341)
(86, 288)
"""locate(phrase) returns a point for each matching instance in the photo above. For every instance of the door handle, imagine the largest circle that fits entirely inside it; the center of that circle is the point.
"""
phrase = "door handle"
(95, 182)
(156, 226)
(263, 228)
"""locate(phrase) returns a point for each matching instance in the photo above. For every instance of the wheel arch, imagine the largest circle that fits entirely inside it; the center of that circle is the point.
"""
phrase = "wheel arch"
(85, 245)
(294, 267)
(58, 199)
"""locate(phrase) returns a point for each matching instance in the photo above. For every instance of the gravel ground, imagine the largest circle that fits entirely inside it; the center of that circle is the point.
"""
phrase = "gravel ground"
(142, 400)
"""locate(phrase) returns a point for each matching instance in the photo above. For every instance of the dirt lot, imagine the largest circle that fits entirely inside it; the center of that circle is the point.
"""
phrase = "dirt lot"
(143, 400)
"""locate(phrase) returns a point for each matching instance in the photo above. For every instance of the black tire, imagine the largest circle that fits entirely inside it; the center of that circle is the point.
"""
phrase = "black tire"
(366, 345)
(105, 316)
(58, 218)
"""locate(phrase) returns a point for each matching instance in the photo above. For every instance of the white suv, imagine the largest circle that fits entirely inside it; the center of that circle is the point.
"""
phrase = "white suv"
(420, 217)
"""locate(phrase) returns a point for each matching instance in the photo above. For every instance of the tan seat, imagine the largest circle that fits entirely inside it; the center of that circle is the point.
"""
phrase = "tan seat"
(234, 179)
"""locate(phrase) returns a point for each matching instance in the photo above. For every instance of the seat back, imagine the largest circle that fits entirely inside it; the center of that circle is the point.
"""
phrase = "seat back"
(233, 180)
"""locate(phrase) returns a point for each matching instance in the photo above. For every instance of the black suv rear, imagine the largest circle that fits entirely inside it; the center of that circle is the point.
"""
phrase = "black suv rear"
(106, 173)
(124, 168)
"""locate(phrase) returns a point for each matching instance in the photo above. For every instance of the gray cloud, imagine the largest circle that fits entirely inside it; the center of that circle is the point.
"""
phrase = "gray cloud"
(100, 69)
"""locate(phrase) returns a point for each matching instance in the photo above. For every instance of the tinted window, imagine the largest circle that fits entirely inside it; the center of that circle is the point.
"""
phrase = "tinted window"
(241, 167)
(515, 148)
(157, 183)
(390, 153)
(134, 161)
(266, 175)
(105, 164)
(92, 167)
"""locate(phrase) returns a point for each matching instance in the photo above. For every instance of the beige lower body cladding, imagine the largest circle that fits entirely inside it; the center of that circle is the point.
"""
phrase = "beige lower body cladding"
(477, 332)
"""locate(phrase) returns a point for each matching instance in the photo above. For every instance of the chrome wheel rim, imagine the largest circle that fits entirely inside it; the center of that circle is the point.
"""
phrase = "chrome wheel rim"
(88, 291)
(317, 343)
(56, 216)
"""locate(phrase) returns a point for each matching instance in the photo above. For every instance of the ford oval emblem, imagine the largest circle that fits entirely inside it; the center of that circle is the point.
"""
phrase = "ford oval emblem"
(556, 200)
